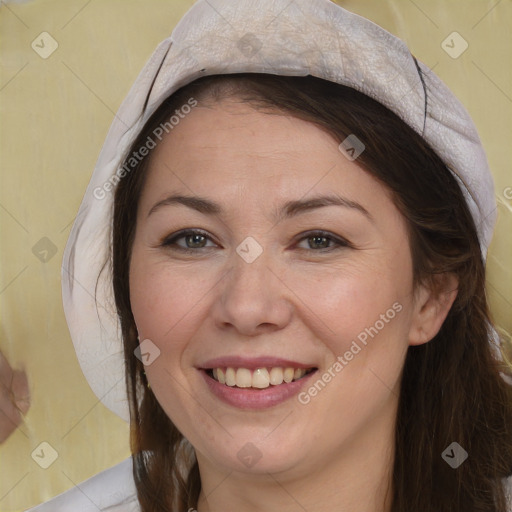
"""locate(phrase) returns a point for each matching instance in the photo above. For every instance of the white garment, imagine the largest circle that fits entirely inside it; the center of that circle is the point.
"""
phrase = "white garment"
(112, 490)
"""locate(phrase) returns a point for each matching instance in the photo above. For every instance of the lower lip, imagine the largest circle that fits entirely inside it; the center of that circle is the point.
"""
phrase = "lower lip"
(248, 398)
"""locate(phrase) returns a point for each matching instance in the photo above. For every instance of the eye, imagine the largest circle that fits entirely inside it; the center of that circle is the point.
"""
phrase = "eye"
(323, 241)
(190, 240)
(193, 239)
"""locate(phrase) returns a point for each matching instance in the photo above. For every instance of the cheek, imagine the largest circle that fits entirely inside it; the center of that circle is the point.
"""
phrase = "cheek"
(165, 306)
(363, 319)
(344, 304)
(162, 298)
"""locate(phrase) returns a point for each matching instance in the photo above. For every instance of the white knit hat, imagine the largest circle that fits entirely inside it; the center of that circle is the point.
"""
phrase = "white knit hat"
(281, 37)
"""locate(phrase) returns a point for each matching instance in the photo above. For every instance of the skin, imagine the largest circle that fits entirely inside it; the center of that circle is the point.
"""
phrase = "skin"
(294, 301)
(14, 398)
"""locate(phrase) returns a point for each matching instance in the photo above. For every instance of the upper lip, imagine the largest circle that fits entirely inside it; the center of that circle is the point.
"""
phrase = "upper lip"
(252, 363)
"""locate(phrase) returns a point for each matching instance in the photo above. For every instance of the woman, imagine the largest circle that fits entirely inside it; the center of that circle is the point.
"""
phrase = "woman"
(285, 236)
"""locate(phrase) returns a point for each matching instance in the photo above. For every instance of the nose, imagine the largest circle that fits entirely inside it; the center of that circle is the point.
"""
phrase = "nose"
(253, 299)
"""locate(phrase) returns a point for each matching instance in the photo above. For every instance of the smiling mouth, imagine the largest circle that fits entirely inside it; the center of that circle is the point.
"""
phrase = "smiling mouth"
(260, 378)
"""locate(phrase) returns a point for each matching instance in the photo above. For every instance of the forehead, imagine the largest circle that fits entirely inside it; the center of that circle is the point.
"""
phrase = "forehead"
(231, 128)
(230, 144)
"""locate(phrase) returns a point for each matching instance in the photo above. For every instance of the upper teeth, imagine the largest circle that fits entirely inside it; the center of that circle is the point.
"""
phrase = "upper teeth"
(259, 378)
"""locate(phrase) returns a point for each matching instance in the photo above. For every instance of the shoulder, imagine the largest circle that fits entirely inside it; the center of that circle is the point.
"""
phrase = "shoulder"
(111, 490)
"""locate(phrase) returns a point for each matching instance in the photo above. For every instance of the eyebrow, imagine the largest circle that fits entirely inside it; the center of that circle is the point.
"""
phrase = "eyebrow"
(287, 210)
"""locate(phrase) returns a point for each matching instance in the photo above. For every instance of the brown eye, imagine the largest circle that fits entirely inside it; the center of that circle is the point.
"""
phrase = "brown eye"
(187, 240)
(318, 242)
(323, 241)
(195, 241)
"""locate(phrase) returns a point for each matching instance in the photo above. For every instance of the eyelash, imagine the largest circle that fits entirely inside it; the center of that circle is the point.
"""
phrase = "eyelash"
(170, 242)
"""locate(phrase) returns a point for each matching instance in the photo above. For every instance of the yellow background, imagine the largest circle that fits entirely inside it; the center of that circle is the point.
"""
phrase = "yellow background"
(55, 114)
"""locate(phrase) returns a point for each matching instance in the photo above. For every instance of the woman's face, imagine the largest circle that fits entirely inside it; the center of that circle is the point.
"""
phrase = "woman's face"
(297, 259)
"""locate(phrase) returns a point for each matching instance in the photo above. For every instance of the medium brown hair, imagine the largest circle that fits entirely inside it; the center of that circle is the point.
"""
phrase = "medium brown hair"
(451, 388)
